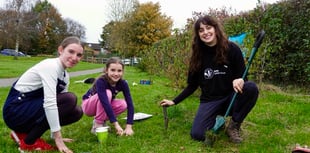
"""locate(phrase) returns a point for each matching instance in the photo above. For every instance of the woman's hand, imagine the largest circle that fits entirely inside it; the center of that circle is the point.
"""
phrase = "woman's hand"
(59, 141)
(166, 102)
(128, 130)
(118, 128)
(238, 85)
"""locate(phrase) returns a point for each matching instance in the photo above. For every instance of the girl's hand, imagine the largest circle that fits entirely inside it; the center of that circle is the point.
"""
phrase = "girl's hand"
(128, 130)
(118, 128)
(238, 85)
(59, 141)
(166, 102)
(67, 139)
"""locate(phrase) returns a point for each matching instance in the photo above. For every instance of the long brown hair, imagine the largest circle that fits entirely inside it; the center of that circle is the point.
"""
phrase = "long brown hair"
(197, 44)
(110, 61)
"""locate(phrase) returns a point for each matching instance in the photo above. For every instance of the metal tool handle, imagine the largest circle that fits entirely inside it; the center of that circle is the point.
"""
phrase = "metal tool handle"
(165, 116)
(259, 39)
(257, 43)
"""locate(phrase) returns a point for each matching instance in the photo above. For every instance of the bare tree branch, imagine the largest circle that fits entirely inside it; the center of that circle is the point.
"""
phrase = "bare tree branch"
(117, 9)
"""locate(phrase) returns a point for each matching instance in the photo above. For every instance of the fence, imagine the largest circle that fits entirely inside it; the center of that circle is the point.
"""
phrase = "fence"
(127, 61)
(95, 60)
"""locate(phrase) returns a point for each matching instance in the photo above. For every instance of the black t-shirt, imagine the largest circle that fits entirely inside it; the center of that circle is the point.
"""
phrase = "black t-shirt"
(215, 80)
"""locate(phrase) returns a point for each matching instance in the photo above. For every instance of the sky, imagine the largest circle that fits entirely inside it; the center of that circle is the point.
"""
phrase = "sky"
(92, 14)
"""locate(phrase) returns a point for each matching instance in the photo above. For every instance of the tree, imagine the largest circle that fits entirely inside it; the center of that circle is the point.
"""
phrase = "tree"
(74, 28)
(117, 11)
(13, 23)
(50, 27)
(35, 27)
(107, 37)
(143, 27)
(119, 8)
(136, 30)
(7, 28)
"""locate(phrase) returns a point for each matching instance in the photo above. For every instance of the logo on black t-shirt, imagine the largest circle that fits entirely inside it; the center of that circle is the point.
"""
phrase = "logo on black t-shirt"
(208, 73)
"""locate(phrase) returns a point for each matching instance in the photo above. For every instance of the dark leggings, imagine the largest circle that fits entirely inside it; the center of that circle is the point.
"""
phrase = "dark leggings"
(207, 111)
(69, 112)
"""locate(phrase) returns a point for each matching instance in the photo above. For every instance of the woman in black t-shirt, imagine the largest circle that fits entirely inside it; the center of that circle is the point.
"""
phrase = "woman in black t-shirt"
(216, 66)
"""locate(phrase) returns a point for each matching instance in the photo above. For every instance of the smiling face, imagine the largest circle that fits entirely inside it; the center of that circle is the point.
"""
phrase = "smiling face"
(70, 55)
(114, 72)
(207, 34)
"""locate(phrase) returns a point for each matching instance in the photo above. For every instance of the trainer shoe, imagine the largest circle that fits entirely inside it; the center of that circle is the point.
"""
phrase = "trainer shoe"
(95, 125)
(299, 149)
(40, 145)
(17, 137)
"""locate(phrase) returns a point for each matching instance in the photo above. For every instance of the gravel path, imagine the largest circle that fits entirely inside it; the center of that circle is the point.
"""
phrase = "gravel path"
(9, 81)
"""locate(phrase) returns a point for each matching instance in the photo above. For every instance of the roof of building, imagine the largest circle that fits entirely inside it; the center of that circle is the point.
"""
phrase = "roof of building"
(94, 46)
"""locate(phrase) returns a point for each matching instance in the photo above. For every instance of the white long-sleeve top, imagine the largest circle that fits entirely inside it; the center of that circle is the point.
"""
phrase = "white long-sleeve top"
(45, 74)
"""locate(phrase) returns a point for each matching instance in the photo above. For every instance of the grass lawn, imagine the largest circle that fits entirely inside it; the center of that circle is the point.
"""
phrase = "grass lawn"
(15, 67)
(276, 124)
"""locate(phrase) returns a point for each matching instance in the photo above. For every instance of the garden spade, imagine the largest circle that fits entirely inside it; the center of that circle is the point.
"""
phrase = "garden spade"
(220, 120)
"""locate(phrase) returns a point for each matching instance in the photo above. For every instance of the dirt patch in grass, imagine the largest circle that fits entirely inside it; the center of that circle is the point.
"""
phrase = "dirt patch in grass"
(270, 87)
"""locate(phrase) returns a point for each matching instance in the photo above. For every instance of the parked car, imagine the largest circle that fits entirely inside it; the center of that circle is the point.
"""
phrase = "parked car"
(126, 61)
(131, 61)
(12, 52)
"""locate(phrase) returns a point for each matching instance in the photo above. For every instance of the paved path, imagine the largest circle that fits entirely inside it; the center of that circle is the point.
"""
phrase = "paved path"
(9, 81)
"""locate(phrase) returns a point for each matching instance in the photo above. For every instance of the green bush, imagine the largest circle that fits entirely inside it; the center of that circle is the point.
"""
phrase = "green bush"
(283, 58)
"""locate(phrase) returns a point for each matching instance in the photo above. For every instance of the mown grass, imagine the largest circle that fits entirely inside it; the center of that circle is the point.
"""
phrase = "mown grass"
(15, 67)
(276, 124)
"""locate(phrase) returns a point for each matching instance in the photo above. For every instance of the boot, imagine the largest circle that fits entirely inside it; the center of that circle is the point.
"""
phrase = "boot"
(233, 131)
(210, 139)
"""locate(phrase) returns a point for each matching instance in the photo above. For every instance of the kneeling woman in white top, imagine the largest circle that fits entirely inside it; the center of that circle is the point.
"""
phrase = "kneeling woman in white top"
(39, 100)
